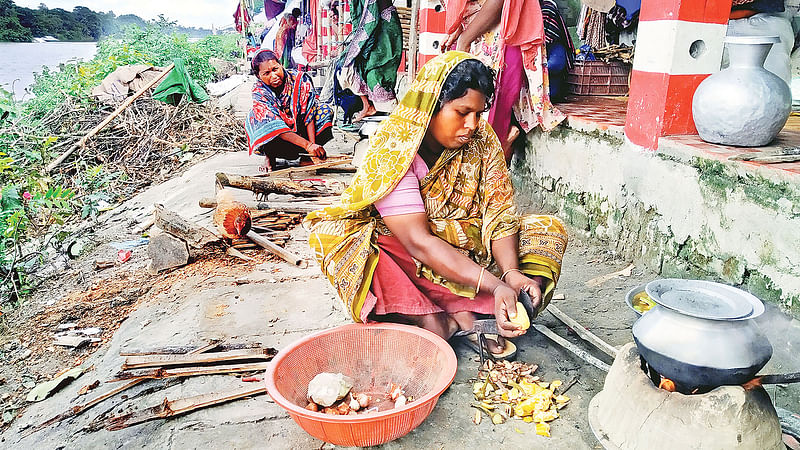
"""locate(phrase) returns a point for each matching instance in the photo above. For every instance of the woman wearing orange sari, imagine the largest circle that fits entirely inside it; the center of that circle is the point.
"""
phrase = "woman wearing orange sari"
(427, 233)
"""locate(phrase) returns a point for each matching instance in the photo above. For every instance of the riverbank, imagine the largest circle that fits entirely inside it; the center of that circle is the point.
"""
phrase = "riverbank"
(41, 210)
(53, 232)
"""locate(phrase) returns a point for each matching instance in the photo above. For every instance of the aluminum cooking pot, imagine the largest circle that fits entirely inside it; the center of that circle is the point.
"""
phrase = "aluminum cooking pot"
(702, 334)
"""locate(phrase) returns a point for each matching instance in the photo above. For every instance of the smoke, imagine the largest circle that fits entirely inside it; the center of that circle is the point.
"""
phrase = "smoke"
(783, 333)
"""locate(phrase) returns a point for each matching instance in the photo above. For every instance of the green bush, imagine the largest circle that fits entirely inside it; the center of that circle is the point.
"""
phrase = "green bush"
(155, 44)
(33, 202)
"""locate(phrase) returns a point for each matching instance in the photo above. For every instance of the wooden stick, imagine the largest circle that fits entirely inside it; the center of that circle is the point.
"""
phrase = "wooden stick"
(182, 350)
(170, 408)
(266, 185)
(585, 334)
(204, 348)
(767, 159)
(108, 119)
(597, 281)
(583, 354)
(284, 254)
(194, 235)
(77, 410)
(290, 207)
(232, 251)
(793, 377)
(314, 167)
(138, 362)
(159, 373)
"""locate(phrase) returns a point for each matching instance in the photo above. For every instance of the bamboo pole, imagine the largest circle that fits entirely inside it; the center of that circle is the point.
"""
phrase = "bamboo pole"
(314, 167)
(160, 373)
(108, 119)
(76, 410)
(414, 39)
(318, 31)
(169, 408)
(567, 345)
(141, 362)
(585, 334)
(289, 207)
(275, 249)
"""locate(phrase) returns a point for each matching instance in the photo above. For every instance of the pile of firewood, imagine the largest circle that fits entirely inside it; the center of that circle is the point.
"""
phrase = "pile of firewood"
(616, 52)
(270, 223)
(265, 223)
(247, 224)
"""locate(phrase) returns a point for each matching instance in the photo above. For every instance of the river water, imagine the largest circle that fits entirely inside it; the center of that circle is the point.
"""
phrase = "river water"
(18, 61)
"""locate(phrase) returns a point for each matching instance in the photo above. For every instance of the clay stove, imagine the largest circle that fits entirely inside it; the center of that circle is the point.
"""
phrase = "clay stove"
(632, 413)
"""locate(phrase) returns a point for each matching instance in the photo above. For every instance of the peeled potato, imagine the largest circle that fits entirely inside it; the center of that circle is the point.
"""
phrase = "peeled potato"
(521, 319)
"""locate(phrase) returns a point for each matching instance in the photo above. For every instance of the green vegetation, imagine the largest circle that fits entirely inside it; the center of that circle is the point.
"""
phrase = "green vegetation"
(10, 27)
(35, 207)
(19, 24)
(154, 44)
(770, 195)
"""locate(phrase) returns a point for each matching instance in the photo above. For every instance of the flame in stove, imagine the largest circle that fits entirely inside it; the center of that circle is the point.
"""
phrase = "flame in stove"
(752, 384)
(666, 384)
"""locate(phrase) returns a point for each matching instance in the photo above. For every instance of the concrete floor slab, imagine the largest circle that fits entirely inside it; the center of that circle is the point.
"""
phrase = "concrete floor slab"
(252, 308)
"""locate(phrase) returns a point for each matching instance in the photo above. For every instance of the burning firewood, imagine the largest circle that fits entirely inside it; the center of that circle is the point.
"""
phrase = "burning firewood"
(667, 384)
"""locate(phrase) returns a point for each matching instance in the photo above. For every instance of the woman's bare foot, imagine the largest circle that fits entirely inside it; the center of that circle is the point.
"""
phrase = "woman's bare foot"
(465, 320)
(366, 111)
(438, 323)
(266, 166)
(513, 134)
(496, 347)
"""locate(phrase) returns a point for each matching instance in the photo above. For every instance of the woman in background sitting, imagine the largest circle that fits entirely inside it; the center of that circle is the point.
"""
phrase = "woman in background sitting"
(287, 118)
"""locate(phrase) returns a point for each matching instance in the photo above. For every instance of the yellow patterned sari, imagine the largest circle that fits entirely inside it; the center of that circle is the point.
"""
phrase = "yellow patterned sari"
(468, 199)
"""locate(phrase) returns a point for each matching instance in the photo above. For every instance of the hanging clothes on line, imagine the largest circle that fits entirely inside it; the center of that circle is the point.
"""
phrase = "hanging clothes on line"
(273, 8)
(592, 27)
(241, 18)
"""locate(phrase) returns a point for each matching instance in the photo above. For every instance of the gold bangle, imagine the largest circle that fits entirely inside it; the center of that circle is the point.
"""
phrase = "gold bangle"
(503, 276)
(480, 280)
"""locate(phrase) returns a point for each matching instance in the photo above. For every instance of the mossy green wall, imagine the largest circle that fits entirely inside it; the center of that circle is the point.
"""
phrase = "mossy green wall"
(622, 198)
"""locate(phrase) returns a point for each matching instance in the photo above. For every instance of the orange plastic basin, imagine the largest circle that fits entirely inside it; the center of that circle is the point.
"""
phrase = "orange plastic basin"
(374, 355)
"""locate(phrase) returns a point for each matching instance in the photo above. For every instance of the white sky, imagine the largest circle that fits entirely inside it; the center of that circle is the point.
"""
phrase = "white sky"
(193, 13)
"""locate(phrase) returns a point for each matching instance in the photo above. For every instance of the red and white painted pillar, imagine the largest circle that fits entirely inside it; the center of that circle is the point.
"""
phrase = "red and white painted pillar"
(326, 35)
(679, 43)
(347, 27)
(431, 31)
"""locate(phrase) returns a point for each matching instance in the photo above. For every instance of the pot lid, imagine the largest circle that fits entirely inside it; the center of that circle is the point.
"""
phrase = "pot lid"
(704, 299)
(752, 39)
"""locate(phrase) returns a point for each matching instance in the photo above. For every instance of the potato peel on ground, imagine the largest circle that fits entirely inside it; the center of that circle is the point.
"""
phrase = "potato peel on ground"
(508, 390)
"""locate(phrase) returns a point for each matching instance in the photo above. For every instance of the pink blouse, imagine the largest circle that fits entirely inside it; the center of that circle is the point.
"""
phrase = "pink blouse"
(405, 198)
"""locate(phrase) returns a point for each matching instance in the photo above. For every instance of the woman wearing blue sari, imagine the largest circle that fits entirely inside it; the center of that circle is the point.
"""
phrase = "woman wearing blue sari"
(287, 119)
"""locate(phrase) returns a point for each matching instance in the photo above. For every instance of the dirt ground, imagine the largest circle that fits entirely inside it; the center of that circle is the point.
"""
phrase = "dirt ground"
(270, 303)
